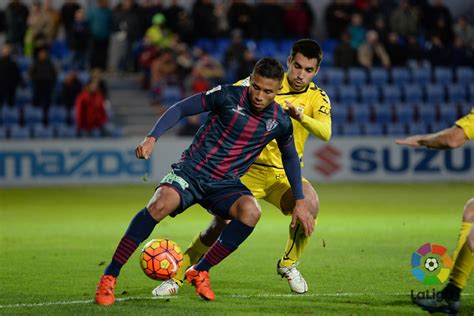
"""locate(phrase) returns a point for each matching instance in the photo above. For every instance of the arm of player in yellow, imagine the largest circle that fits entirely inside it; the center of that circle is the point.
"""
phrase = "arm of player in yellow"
(320, 124)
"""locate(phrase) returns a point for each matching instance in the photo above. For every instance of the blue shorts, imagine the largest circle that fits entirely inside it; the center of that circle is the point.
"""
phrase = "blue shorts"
(215, 196)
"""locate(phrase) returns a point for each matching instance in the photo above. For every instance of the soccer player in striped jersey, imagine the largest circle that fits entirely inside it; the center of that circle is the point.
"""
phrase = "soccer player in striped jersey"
(309, 108)
(242, 120)
(453, 137)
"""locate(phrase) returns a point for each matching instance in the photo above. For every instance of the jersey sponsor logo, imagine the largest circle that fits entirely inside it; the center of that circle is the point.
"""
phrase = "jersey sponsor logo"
(324, 109)
(239, 109)
(214, 90)
(173, 177)
(270, 124)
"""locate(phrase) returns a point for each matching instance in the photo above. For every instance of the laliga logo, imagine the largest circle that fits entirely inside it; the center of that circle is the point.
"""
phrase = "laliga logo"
(327, 157)
(431, 264)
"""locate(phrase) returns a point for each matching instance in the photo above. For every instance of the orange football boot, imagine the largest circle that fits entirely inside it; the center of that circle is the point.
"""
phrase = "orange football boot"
(105, 290)
(202, 283)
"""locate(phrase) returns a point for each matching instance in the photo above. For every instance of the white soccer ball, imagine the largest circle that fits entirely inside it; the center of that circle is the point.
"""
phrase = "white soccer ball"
(431, 264)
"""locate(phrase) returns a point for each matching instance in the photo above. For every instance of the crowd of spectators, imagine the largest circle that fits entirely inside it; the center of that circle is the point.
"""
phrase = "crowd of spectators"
(162, 42)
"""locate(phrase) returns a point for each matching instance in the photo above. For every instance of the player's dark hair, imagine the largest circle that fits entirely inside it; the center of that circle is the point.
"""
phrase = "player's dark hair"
(308, 48)
(269, 67)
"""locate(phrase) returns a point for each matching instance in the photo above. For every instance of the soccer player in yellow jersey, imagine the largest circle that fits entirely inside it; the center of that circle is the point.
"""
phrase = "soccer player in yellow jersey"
(452, 137)
(309, 107)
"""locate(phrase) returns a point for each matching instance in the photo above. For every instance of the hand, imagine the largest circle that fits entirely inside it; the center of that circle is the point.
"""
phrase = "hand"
(293, 112)
(413, 141)
(302, 214)
(144, 150)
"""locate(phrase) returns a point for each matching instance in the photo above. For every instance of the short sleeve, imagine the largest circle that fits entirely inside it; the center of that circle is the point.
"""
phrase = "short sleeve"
(467, 124)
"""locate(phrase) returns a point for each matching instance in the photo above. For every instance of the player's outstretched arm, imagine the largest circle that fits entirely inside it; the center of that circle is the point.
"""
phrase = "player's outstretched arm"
(144, 150)
(452, 137)
(187, 107)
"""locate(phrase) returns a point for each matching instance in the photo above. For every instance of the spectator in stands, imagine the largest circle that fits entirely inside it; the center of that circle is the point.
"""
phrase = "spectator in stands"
(246, 66)
(443, 31)
(438, 12)
(127, 20)
(100, 23)
(70, 89)
(148, 10)
(357, 30)
(16, 15)
(158, 35)
(43, 79)
(98, 75)
(204, 18)
(10, 77)
(68, 11)
(404, 20)
(338, 16)
(234, 55)
(464, 31)
(240, 16)
(299, 19)
(415, 52)
(209, 67)
(461, 55)
(381, 28)
(270, 21)
(396, 52)
(185, 28)
(42, 23)
(344, 54)
(372, 53)
(222, 24)
(79, 38)
(90, 110)
(438, 54)
(55, 18)
(173, 15)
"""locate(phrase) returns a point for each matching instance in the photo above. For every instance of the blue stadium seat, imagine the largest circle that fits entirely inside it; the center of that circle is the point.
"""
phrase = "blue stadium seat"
(400, 76)
(59, 50)
(391, 94)
(443, 75)
(206, 44)
(64, 131)
(43, 132)
(464, 75)
(334, 76)
(396, 129)
(284, 46)
(419, 128)
(456, 93)
(405, 113)
(10, 116)
(32, 115)
(266, 47)
(421, 75)
(373, 129)
(427, 113)
(23, 96)
(352, 129)
(347, 94)
(84, 77)
(3, 132)
(337, 130)
(360, 113)
(339, 114)
(438, 126)
(18, 132)
(470, 89)
(171, 95)
(448, 113)
(378, 76)
(24, 63)
(57, 115)
(466, 109)
(221, 44)
(383, 113)
(413, 93)
(370, 94)
(331, 93)
(357, 76)
(434, 93)
(329, 45)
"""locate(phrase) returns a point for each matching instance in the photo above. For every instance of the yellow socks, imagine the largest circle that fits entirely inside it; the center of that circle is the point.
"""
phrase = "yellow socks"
(295, 246)
(464, 231)
(462, 267)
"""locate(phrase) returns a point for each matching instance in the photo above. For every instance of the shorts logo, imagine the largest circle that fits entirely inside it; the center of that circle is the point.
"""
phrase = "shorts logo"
(431, 264)
(172, 177)
(270, 124)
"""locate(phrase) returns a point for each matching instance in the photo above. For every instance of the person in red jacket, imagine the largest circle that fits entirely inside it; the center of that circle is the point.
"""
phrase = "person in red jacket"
(90, 110)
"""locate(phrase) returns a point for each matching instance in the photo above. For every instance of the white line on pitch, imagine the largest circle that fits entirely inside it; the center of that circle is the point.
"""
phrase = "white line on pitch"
(267, 295)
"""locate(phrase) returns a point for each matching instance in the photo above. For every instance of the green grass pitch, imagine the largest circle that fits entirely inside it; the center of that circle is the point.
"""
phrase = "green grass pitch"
(56, 241)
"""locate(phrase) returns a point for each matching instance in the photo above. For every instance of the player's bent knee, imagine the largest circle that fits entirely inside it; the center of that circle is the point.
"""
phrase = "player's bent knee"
(468, 215)
(247, 210)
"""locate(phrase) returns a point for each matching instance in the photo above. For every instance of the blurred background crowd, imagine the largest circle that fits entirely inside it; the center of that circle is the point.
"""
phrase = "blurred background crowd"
(54, 57)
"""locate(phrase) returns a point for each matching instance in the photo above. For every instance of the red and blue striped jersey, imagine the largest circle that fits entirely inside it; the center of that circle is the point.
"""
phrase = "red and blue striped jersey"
(234, 134)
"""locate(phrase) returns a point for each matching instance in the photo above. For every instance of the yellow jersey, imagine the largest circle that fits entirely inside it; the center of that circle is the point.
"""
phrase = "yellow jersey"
(316, 107)
(467, 124)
